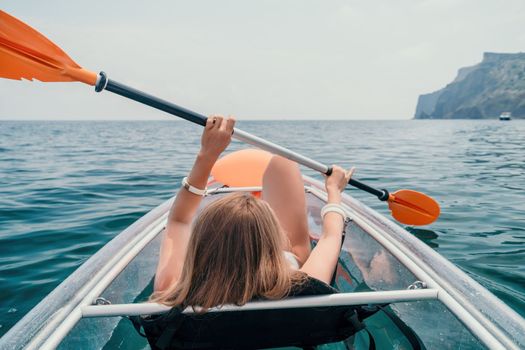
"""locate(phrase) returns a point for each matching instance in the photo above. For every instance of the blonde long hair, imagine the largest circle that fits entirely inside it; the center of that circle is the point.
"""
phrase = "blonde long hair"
(235, 254)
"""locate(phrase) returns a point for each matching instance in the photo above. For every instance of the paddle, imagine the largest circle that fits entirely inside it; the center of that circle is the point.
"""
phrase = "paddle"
(27, 54)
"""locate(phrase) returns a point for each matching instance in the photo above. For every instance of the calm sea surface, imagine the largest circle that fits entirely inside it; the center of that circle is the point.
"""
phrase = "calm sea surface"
(67, 188)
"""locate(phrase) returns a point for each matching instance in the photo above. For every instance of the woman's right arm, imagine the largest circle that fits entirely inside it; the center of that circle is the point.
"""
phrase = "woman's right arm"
(215, 138)
(322, 261)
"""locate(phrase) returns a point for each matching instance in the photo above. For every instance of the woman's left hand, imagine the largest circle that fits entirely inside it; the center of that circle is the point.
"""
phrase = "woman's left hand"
(217, 135)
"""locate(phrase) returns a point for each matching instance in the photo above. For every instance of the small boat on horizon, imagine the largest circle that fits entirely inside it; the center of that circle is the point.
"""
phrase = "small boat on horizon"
(505, 116)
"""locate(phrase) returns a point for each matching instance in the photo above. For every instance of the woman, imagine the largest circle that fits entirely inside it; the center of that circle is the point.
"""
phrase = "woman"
(241, 248)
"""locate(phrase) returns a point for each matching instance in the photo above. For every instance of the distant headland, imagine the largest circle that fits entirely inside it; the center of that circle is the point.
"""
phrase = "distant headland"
(483, 91)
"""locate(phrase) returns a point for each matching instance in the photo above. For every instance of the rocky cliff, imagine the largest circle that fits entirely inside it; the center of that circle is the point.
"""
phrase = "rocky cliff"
(483, 91)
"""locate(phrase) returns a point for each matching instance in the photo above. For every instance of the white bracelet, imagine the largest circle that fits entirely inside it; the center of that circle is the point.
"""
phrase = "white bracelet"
(192, 189)
(335, 208)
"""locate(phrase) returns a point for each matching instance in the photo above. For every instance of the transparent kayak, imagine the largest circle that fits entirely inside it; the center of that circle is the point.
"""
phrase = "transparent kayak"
(430, 299)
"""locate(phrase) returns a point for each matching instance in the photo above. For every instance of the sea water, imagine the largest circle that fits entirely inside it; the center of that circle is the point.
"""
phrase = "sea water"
(68, 187)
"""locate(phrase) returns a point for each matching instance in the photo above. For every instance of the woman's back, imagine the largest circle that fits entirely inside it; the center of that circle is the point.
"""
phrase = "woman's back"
(234, 250)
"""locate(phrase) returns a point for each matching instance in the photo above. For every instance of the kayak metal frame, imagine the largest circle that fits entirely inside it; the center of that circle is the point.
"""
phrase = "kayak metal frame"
(58, 320)
(218, 190)
(340, 299)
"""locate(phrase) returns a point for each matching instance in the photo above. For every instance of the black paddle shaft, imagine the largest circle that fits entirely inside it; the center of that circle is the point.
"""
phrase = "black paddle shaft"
(380, 194)
(120, 89)
(150, 100)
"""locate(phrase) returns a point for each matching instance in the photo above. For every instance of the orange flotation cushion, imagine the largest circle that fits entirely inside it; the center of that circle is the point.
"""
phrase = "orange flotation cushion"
(244, 168)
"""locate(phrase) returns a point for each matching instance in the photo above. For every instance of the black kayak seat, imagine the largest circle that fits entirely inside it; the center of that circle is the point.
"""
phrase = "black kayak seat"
(303, 327)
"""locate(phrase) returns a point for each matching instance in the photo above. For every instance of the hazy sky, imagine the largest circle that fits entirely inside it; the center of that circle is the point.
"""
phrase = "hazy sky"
(276, 59)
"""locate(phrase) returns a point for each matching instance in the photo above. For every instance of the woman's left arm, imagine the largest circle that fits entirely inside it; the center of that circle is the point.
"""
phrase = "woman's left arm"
(215, 138)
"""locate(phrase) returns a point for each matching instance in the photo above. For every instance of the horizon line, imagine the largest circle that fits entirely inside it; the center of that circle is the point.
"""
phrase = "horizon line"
(238, 119)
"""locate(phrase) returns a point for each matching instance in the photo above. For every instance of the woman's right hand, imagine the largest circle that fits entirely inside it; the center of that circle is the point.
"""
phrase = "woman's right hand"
(216, 136)
(338, 180)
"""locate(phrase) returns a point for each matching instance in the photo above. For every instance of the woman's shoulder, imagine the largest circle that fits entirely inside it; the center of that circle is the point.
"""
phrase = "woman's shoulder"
(311, 286)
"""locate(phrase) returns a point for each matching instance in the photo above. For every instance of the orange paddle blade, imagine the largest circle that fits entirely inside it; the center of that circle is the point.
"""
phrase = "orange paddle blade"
(243, 168)
(413, 208)
(27, 54)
